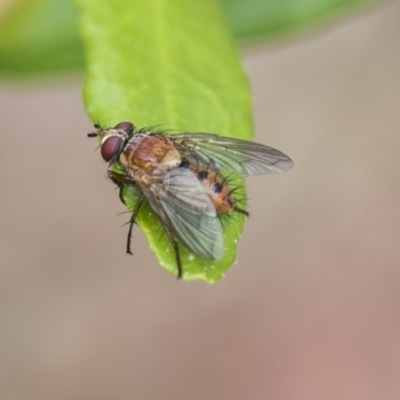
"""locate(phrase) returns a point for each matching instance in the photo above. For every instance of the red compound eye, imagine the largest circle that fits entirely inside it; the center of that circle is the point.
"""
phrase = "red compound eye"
(125, 126)
(109, 147)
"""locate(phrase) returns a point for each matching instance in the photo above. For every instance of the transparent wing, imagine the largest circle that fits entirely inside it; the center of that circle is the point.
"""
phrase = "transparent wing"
(183, 206)
(231, 155)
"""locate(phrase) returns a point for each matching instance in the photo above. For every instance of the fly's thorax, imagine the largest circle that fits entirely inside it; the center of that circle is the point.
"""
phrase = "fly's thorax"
(150, 152)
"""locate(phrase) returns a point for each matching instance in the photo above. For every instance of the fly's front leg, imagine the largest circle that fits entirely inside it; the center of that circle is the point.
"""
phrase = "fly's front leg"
(121, 181)
(132, 221)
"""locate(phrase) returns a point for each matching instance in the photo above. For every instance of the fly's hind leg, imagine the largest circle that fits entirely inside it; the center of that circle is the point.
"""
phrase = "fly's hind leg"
(176, 250)
(241, 211)
(121, 180)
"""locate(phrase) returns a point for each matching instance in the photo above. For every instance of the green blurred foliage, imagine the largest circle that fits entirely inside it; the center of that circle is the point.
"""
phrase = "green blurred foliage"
(258, 20)
(38, 37)
(41, 37)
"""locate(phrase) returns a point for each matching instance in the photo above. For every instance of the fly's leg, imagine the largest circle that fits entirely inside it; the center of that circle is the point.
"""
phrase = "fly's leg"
(131, 223)
(178, 258)
(121, 180)
(241, 211)
(176, 250)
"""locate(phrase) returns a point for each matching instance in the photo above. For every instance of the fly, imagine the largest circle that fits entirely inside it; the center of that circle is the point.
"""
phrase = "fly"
(183, 178)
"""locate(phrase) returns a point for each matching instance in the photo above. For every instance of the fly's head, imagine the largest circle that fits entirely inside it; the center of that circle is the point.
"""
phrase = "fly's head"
(113, 140)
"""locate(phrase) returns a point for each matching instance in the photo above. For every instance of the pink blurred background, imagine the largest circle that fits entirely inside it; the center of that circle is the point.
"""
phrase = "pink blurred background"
(312, 308)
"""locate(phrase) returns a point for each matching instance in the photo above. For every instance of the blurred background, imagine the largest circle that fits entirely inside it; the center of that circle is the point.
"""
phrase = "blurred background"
(312, 308)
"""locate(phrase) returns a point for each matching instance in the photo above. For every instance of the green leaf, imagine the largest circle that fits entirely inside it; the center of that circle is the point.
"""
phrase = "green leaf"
(252, 20)
(39, 37)
(169, 62)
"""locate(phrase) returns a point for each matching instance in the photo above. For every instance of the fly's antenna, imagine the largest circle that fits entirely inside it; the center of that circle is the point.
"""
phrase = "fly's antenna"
(96, 126)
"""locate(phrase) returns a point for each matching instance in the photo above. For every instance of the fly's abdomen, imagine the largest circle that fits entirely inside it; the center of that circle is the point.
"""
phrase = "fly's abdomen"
(217, 188)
